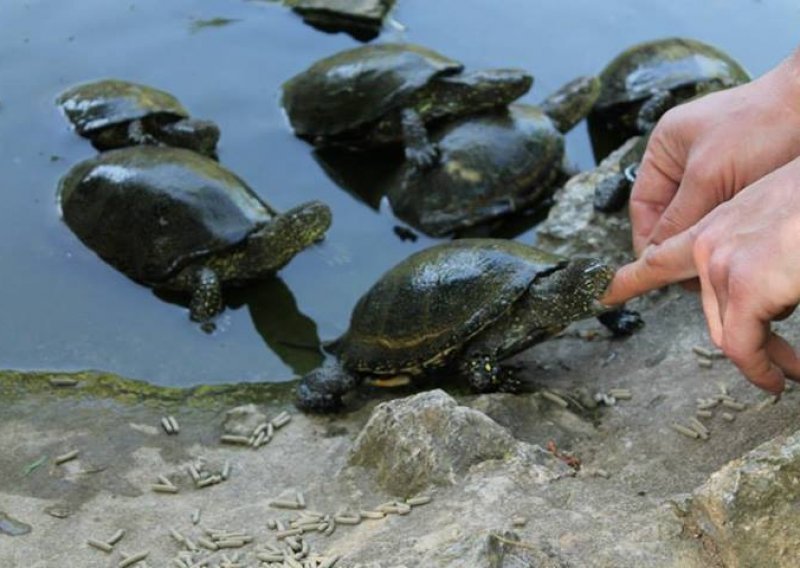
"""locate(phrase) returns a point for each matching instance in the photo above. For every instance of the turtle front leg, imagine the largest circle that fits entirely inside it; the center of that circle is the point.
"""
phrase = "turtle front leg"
(419, 149)
(322, 389)
(485, 375)
(622, 322)
(652, 109)
(206, 299)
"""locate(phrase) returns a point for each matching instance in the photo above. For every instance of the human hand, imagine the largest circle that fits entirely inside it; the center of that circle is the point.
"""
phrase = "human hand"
(746, 255)
(704, 152)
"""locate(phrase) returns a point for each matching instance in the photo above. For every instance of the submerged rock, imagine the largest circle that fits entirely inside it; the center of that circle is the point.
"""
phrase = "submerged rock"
(362, 19)
(746, 514)
(428, 439)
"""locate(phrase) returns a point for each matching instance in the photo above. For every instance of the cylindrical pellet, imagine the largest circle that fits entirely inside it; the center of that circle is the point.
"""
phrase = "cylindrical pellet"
(371, 514)
(161, 488)
(196, 516)
(281, 419)
(330, 562)
(685, 431)
(288, 532)
(733, 405)
(301, 500)
(704, 363)
(63, 458)
(553, 397)
(728, 416)
(226, 470)
(284, 504)
(100, 545)
(698, 426)
(421, 500)
(205, 543)
(116, 537)
(347, 520)
(210, 480)
(231, 439)
(179, 538)
(174, 423)
(133, 559)
(704, 414)
(166, 425)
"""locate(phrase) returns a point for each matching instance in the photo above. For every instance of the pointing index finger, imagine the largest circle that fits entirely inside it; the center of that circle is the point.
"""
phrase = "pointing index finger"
(671, 261)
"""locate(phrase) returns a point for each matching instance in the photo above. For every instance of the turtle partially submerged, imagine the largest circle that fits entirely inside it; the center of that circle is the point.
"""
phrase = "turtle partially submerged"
(493, 164)
(174, 220)
(382, 94)
(114, 114)
(460, 307)
(647, 79)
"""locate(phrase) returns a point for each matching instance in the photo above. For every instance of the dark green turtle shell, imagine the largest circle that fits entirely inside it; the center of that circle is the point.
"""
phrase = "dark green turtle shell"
(99, 104)
(489, 166)
(356, 87)
(149, 211)
(430, 304)
(665, 64)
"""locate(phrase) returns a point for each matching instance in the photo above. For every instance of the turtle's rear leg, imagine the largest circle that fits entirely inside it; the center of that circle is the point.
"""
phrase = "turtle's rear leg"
(322, 389)
(419, 149)
(485, 374)
(206, 300)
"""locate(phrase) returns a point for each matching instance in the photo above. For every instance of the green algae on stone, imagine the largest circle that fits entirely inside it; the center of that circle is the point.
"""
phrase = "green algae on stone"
(97, 384)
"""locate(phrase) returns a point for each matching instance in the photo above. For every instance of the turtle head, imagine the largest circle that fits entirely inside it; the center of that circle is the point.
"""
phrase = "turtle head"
(477, 90)
(581, 283)
(278, 241)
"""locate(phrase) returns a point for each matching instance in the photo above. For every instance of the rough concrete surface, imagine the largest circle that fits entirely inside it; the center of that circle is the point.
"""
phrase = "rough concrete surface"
(625, 490)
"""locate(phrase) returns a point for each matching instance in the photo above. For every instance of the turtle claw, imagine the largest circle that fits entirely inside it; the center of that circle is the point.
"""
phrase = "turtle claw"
(621, 322)
(321, 390)
(423, 158)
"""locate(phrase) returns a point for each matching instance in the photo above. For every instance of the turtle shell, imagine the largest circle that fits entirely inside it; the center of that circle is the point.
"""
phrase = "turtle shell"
(358, 86)
(430, 304)
(96, 105)
(665, 64)
(149, 211)
(489, 166)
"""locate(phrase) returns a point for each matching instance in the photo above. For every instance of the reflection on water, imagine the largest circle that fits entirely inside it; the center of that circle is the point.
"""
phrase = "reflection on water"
(288, 332)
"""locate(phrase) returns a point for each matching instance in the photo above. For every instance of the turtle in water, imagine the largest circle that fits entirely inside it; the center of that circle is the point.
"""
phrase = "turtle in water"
(382, 94)
(362, 19)
(114, 114)
(175, 220)
(492, 164)
(460, 307)
(647, 79)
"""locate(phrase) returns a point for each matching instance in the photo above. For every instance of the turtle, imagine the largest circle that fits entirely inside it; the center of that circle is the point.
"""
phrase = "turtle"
(491, 164)
(361, 19)
(647, 79)
(387, 93)
(173, 219)
(114, 114)
(460, 307)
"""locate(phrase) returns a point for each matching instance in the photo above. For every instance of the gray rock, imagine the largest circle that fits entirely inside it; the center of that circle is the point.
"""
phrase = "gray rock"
(574, 227)
(360, 18)
(498, 549)
(242, 420)
(429, 439)
(747, 513)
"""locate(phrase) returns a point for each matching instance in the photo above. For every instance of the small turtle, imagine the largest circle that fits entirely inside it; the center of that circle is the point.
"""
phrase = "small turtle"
(460, 307)
(647, 79)
(380, 94)
(175, 220)
(114, 114)
(362, 19)
(493, 164)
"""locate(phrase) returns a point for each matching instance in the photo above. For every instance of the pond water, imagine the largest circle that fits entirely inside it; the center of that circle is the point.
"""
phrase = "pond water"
(62, 308)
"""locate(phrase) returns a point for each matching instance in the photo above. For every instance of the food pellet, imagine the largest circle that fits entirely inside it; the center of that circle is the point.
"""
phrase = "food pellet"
(421, 500)
(347, 520)
(161, 488)
(704, 414)
(174, 423)
(100, 545)
(372, 514)
(62, 382)
(284, 504)
(116, 537)
(231, 439)
(704, 363)
(553, 397)
(288, 532)
(519, 521)
(685, 431)
(728, 416)
(131, 560)
(67, 457)
(205, 543)
(301, 500)
(281, 419)
(196, 516)
(226, 470)
(733, 405)
(167, 425)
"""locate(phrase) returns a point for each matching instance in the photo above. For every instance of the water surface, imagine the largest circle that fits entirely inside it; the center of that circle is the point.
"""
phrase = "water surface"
(63, 308)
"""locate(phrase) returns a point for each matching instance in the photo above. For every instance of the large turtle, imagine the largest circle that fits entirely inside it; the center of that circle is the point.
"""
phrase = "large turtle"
(492, 164)
(463, 307)
(645, 80)
(114, 114)
(379, 94)
(175, 220)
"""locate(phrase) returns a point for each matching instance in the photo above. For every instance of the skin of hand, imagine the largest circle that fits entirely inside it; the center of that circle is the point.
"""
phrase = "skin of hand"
(704, 152)
(745, 253)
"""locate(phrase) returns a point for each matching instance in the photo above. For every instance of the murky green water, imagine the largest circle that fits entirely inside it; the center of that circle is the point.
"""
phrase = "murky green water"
(63, 308)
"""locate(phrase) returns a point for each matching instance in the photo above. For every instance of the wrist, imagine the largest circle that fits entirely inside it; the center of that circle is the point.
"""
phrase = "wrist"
(786, 79)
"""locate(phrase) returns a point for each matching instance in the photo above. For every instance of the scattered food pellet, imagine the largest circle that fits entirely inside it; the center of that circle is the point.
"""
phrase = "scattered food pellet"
(733, 405)
(553, 397)
(281, 419)
(67, 457)
(232, 439)
(728, 416)
(100, 545)
(174, 423)
(167, 425)
(684, 430)
(133, 559)
(116, 537)
(519, 521)
(704, 363)
(704, 414)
